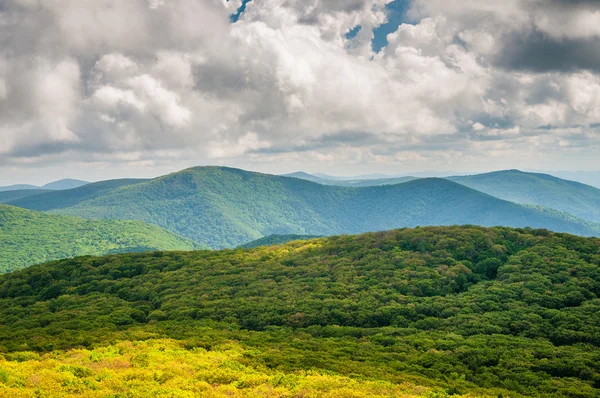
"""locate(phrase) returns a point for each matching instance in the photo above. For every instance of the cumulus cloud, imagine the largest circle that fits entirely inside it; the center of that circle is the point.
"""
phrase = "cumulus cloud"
(146, 81)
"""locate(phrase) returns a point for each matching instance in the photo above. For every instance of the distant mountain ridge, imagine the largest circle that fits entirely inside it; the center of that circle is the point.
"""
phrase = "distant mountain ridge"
(8, 196)
(224, 207)
(572, 197)
(55, 185)
(365, 181)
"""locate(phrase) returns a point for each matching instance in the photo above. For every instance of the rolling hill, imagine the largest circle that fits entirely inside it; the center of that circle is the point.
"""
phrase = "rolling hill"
(67, 183)
(223, 207)
(28, 237)
(9, 196)
(54, 186)
(18, 187)
(578, 199)
(459, 310)
(61, 199)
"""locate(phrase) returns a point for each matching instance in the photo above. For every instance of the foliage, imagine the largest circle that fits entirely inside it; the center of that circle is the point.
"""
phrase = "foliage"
(165, 368)
(28, 237)
(71, 197)
(276, 240)
(498, 312)
(578, 199)
(223, 207)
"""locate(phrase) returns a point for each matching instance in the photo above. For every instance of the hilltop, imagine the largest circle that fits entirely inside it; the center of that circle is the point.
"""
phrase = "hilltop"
(223, 207)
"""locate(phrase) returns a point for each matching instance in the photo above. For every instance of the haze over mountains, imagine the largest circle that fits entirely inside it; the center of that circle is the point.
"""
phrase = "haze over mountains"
(223, 207)
(56, 185)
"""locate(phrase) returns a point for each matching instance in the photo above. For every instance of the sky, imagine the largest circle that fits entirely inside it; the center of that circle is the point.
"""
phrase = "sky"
(110, 88)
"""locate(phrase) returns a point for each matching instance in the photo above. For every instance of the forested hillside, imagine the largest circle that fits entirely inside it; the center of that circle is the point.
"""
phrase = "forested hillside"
(276, 240)
(223, 207)
(71, 197)
(490, 312)
(9, 196)
(29, 237)
(578, 199)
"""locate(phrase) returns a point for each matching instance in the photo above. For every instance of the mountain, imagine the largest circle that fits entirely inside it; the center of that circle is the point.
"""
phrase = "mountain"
(65, 184)
(350, 182)
(305, 176)
(28, 237)
(578, 199)
(276, 240)
(223, 207)
(62, 199)
(462, 310)
(18, 187)
(8, 196)
(55, 186)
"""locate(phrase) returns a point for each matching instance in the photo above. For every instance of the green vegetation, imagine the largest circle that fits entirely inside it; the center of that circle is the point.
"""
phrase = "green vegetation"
(71, 197)
(223, 207)
(28, 237)
(165, 368)
(9, 196)
(494, 312)
(578, 199)
(276, 240)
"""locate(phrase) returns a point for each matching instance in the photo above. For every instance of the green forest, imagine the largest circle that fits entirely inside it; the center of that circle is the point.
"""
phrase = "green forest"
(30, 237)
(494, 312)
(221, 207)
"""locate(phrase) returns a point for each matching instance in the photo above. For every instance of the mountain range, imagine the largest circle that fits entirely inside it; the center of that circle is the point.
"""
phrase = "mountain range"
(56, 185)
(223, 207)
(364, 181)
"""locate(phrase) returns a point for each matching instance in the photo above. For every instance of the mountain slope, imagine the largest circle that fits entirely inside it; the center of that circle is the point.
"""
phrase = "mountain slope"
(65, 184)
(276, 240)
(71, 197)
(17, 187)
(539, 189)
(490, 312)
(9, 196)
(223, 207)
(28, 237)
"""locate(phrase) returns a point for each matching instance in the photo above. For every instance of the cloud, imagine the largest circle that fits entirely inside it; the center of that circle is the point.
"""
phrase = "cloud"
(140, 81)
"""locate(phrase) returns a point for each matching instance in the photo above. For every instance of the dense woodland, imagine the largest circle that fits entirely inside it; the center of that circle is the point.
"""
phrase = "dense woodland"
(30, 237)
(489, 312)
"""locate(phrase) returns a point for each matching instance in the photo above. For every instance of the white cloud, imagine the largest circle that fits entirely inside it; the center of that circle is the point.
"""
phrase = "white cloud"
(106, 79)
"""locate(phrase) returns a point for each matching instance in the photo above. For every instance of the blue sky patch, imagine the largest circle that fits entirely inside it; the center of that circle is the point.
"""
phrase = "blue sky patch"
(353, 32)
(235, 17)
(396, 13)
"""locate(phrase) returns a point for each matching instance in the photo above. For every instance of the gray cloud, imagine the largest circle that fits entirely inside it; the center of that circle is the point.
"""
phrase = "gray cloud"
(137, 82)
(538, 52)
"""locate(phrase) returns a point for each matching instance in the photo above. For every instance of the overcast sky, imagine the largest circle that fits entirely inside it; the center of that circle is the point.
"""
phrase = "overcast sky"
(97, 89)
